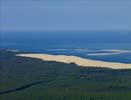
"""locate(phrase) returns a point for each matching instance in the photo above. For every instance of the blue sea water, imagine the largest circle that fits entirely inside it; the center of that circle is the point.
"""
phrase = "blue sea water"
(71, 43)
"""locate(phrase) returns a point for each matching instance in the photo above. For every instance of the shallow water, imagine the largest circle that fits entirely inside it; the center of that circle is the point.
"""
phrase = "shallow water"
(72, 43)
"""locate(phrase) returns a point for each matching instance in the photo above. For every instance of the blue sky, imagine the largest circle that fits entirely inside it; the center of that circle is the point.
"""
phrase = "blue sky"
(61, 15)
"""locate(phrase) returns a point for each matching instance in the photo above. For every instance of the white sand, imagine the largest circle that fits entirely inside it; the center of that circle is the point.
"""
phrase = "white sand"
(77, 60)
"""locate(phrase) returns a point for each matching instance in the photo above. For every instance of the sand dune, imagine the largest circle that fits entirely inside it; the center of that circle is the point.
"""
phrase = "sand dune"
(78, 60)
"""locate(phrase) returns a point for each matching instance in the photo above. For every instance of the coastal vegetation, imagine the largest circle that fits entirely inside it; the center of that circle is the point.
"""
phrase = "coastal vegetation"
(24, 78)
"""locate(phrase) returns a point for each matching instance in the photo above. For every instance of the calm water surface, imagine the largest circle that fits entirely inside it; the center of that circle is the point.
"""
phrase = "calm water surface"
(71, 43)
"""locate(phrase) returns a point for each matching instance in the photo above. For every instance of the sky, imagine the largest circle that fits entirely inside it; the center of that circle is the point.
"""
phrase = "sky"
(65, 15)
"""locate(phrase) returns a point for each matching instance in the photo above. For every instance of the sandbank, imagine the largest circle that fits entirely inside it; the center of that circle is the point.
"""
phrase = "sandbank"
(78, 61)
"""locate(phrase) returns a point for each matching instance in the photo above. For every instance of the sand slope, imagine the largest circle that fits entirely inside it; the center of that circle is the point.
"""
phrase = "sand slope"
(78, 60)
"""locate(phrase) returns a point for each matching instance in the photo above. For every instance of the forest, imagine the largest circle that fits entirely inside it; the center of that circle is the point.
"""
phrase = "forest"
(24, 78)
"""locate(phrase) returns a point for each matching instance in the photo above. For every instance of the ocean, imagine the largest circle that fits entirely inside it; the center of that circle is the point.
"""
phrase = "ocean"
(104, 46)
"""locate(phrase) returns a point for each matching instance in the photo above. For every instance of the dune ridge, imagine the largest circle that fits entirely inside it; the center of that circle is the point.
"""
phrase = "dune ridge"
(78, 60)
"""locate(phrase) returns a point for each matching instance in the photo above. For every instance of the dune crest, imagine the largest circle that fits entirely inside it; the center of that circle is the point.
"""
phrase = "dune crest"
(78, 60)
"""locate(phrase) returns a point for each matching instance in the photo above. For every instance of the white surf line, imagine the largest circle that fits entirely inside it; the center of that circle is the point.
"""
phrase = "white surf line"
(75, 49)
(101, 54)
(13, 50)
(118, 51)
(78, 60)
(115, 50)
(56, 49)
(112, 52)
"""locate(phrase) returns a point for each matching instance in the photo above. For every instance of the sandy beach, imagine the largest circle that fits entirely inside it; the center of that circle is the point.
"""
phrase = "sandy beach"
(78, 60)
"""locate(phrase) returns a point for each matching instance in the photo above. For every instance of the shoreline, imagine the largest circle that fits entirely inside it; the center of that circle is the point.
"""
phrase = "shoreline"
(83, 62)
